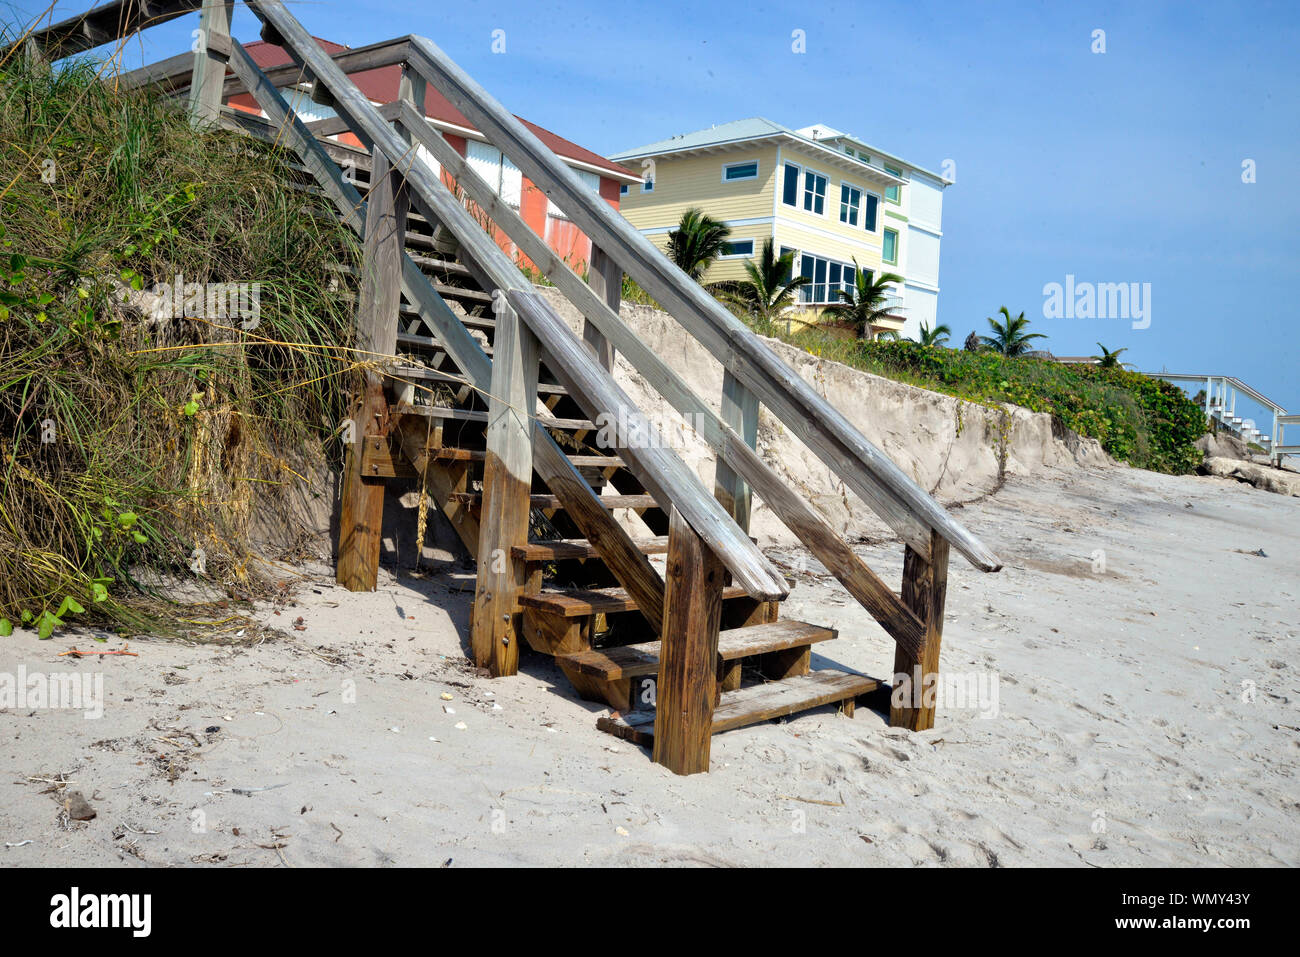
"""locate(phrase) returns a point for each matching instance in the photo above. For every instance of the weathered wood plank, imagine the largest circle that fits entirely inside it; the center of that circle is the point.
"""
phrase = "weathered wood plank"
(579, 602)
(630, 661)
(740, 414)
(578, 550)
(210, 61)
(688, 655)
(754, 704)
(606, 280)
(496, 623)
(925, 586)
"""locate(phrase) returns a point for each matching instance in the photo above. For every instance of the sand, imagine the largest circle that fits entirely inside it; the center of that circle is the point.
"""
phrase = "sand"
(1146, 715)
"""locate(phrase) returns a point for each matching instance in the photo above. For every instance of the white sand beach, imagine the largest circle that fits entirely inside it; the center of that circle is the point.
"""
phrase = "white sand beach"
(1146, 714)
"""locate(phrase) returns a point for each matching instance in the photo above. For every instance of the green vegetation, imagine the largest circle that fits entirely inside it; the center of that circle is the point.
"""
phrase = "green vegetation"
(697, 242)
(863, 307)
(770, 287)
(938, 336)
(137, 447)
(1146, 422)
(1009, 336)
(1109, 359)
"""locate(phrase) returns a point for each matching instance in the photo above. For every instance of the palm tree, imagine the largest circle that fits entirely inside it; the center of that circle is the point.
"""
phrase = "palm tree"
(771, 287)
(934, 337)
(1009, 337)
(1108, 359)
(863, 307)
(696, 242)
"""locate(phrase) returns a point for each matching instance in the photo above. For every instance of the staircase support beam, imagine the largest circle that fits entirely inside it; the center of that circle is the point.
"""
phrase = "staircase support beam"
(688, 658)
(496, 626)
(207, 83)
(916, 674)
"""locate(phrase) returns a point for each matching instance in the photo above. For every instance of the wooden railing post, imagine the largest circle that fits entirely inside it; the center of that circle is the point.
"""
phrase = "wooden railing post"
(606, 280)
(362, 514)
(925, 585)
(496, 628)
(688, 657)
(211, 54)
(740, 413)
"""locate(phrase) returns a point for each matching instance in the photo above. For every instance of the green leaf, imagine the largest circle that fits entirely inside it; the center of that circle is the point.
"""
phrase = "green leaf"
(140, 537)
(6, 628)
(98, 592)
(46, 626)
(69, 604)
(127, 519)
(27, 617)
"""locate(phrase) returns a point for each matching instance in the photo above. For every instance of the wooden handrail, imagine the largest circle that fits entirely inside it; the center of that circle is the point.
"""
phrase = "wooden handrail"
(105, 24)
(872, 475)
(659, 468)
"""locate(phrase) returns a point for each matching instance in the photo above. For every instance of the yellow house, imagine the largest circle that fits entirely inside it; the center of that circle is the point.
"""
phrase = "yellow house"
(817, 192)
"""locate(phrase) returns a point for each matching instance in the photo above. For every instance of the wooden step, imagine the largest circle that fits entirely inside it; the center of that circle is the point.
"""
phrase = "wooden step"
(470, 322)
(478, 415)
(435, 375)
(475, 501)
(630, 661)
(452, 454)
(428, 343)
(578, 602)
(736, 709)
(578, 548)
(441, 265)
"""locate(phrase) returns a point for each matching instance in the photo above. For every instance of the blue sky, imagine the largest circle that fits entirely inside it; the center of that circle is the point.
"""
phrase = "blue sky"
(1123, 166)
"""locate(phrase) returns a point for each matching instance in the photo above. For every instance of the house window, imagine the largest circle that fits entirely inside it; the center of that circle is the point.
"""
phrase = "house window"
(828, 278)
(790, 186)
(891, 192)
(648, 186)
(496, 170)
(591, 180)
(869, 214)
(814, 192)
(889, 248)
(732, 172)
(850, 201)
(622, 190)
(849, 150)
(738, 249)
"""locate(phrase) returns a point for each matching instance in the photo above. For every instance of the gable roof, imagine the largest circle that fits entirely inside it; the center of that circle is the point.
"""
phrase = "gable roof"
(381, 85)
(725, 135)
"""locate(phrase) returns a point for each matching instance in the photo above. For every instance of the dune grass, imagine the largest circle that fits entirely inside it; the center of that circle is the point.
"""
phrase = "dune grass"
(129, 441)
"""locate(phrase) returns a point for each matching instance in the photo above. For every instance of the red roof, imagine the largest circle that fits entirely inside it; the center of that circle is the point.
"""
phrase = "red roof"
(381, 85)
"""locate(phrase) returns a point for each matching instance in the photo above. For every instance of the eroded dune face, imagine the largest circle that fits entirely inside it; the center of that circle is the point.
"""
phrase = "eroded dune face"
(955, 450)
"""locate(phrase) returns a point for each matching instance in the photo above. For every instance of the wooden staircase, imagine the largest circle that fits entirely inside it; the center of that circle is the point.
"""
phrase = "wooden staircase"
(467, 380)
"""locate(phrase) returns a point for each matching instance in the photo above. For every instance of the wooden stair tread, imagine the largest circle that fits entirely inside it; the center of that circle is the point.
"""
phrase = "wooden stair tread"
(629, 661)
(469, 322)
(736, 709)
(576, 602)
(452, 453)
(436, 375)
(578, 548)
(444, 265)
(479, 415)
(475, 500)
(416, 341)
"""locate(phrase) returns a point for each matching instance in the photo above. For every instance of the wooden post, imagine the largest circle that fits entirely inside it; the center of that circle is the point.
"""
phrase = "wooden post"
(925, 584)
(211, 54)
(379, 301)
(496, 627)
(740, 412)
(688, 651)
(606, 280)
